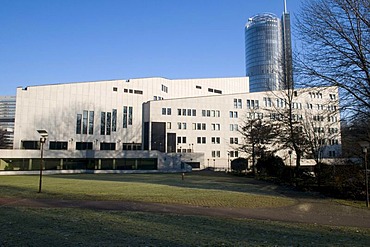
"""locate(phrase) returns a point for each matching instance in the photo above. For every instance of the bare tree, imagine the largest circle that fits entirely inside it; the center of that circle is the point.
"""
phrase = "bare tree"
(335, 38)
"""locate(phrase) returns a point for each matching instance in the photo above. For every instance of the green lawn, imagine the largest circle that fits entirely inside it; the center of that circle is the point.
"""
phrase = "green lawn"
(196, 189)
(22, 226)
(79, 227)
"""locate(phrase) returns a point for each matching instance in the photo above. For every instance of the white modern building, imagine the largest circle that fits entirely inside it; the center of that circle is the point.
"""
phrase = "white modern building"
(152, 123)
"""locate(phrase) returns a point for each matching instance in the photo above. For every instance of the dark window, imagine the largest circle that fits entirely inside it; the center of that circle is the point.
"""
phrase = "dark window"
(125, 90)
(58, 145)
(31, 145)
(218, 91)
(109, 122)
(124, 117)
(130, 91)
(138, 92)
(114, 120)
(198, 87)
(130, 115)
(114, 89)
(210, 90)
(102, 123)
(107, 146)
(91, 123)
(83, 145)
(78, 124)
(84, 122)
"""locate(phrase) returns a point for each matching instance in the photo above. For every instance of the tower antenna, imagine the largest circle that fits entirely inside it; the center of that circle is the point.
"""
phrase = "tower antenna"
(285, 9)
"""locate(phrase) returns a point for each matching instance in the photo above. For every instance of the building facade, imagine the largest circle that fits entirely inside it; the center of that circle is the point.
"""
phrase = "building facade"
(7, 118)
(153, 123)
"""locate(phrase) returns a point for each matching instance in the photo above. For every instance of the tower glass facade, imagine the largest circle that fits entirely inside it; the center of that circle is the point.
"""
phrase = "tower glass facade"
(263, 52)
(268, 52)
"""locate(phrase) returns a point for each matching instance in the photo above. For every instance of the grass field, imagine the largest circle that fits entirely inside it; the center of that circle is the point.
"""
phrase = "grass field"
(23, 226)
(197, 189)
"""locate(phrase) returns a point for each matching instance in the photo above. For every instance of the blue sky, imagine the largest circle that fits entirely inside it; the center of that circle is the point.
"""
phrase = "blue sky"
(61, 41)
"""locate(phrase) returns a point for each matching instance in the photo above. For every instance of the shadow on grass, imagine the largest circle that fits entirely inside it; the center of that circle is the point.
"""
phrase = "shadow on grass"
(103, 228)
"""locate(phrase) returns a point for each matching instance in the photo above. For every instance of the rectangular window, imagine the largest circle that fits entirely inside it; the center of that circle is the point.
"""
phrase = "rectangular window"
(78, 123)
(194, 113)
(203, 126)
(83, 145)
(114, 120)
(179, 112)
(169, 111)
(138, 92)
(184, 139)
(91, 122)
(179, 139)
(204, 140)
(130, 115)
(164, 111)
(169, 125)
(179, 126)
(102, 123)
(184, 126)
(184, 112)
(189, 112)
(213, 140)
(109, 123)
(58, 145)
(107, 146)
(124, 117)
(203, 113)
(84, 122)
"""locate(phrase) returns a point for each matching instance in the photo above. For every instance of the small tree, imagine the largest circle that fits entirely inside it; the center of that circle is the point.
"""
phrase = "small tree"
(257, 134)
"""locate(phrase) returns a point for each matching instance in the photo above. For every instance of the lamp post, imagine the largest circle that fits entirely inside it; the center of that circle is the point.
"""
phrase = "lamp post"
(228, 161)
(44, 135)
(365, 146)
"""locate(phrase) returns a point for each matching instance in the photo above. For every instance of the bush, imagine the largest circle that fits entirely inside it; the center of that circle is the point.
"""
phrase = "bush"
(270, 165)
(239, 165)
(344, 181)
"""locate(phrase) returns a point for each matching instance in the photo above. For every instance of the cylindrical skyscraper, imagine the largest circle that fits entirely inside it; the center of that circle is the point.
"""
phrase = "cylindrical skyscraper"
(263, 52)
(268, 52)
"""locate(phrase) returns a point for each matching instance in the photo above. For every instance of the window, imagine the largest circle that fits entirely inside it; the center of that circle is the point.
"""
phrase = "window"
(114, 120)
(215, 140)
(169, 112)
(181, 139)
(114, 89)
(164, 111)
(198, 87)
(164, 88)
(233, 127)
(78, 123)
(184, 126)
(84, 122)
(109, 123)
(107, 146)
(124, 117)
(210, 90)
(102, 123)
(83, 145)
(201, 140)
(138, 92)
(55, 145)
(194, 113)
(203, 126)
(91, 122)
(130, 115)
(169, 125)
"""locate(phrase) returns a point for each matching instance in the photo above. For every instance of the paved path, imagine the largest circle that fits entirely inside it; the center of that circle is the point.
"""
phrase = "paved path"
(307, 210)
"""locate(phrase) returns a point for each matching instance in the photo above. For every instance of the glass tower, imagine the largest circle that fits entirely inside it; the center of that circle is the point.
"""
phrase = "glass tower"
(268, 52)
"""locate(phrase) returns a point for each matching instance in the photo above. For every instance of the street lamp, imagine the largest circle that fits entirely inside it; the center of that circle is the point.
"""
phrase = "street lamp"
(228, 161)
(365, 146)
(44, 135)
